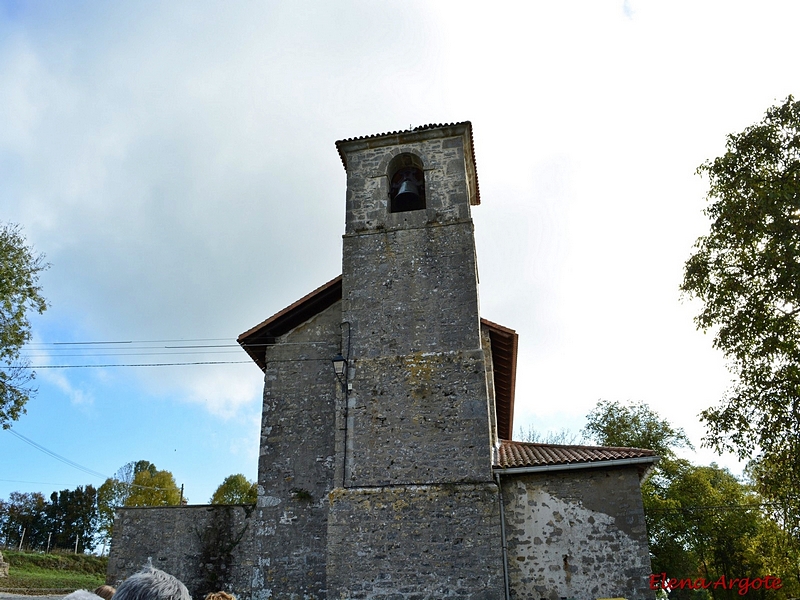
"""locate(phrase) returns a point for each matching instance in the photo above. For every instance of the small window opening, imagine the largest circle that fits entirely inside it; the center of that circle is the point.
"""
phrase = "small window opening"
(406, 184)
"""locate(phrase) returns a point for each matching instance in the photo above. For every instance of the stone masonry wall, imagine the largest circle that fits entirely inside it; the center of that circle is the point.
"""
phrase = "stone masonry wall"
(410, 298)
(296, 463)
(209, 548)
(448, 182)
(417, 512)
(415, 542)
(576, 534)
(418, 418)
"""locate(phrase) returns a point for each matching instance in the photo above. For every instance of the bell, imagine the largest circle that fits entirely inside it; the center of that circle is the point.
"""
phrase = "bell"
(408, 194)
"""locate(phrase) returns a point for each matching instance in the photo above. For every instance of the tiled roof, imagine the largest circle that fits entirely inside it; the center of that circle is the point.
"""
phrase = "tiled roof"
(521, 455)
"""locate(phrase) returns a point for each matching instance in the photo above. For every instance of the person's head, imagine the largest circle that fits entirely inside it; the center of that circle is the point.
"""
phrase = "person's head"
(82, 595)
(152, 584)
(105, 591)
(220, 596)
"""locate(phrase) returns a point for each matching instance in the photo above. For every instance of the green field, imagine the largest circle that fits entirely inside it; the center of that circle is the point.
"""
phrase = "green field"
(54, 573)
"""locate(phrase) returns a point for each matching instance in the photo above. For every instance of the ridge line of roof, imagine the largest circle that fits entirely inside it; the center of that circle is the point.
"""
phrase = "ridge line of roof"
(402, 131)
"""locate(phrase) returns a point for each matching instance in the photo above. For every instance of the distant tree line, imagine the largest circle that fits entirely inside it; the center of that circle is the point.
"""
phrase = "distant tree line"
(82, 519)
(30, 521)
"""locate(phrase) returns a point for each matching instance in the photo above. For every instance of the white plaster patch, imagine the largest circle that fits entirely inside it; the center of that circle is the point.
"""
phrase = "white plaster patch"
(567, 548)
(266, 501)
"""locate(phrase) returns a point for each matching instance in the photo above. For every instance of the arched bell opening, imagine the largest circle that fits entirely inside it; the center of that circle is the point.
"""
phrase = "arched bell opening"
(406, 183)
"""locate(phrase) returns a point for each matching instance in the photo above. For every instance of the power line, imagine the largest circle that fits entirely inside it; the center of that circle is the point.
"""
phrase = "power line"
(38, 354)
(35, 482)
(177, 364)
(71, 464)
(225, 339)
(66, 461)
(228, 343)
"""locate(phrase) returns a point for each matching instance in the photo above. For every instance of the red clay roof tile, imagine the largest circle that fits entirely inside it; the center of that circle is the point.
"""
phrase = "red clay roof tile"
(513, 455)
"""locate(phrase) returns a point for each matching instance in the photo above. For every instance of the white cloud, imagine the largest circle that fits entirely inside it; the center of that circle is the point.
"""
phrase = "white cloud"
(77, 395)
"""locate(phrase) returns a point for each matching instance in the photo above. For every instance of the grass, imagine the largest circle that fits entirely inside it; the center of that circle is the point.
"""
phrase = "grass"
(32, 573)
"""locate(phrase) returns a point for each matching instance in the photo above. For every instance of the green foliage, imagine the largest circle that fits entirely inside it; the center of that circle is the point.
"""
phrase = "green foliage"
(151, 487)
(137, 483)
(39, 525)
(746, 271)
(111, 494)
(73, 514)
(20, 293)
(26, 520)
(713, 518)
(235, 489)
(633, 426)
(36, 572)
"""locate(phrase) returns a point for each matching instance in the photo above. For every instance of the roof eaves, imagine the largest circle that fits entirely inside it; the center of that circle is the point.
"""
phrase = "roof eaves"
(255, 339)
(645, 462)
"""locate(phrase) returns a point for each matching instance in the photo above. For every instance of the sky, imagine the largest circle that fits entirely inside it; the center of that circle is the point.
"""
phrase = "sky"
(175, 162)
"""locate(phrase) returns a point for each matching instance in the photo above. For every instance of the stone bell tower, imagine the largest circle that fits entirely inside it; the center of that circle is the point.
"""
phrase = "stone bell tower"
(415, 511)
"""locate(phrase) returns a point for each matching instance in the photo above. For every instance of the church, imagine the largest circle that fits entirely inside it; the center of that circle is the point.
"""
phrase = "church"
(387, 468)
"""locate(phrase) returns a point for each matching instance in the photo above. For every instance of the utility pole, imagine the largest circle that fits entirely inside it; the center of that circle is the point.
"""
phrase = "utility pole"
(181, 502)
(76, 543)
(49, 535)
(22, 537)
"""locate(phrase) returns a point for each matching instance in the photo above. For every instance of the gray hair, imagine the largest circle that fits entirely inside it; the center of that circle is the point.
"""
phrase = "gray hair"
(82, 595)
(152, 584)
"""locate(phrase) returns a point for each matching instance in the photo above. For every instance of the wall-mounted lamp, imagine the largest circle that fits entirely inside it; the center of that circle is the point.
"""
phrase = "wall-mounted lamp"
(340, 368)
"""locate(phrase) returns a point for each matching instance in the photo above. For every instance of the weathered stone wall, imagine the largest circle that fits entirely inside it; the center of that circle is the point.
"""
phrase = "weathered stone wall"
(296, 463)
(3, 567)
(418, 418)
(415, 542)
(209, 548)
(576, 534)
(410, 296)
(416, 514)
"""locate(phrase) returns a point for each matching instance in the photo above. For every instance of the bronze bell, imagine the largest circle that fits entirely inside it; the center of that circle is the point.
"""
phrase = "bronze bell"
(408, 193)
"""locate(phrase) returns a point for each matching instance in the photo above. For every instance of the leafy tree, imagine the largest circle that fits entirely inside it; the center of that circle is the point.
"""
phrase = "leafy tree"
(4, 522)
(20, 293)
(27, 520)
(235, 489)
(633, 426)
(154, 488)
(73, 514)
(137, 483)
(746, 271)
